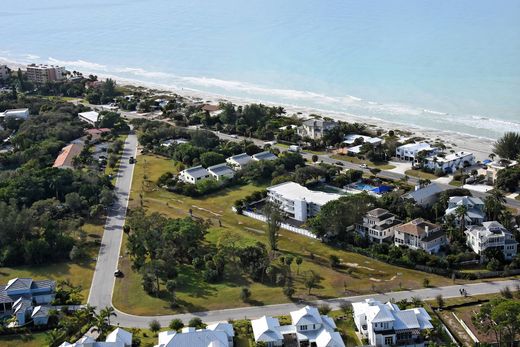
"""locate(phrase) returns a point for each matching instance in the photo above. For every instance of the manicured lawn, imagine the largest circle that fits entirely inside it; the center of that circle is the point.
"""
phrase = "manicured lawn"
(195, 294)
(421, 174)
(26, 340)
(456, 183)
(356, 160)
(78, 273)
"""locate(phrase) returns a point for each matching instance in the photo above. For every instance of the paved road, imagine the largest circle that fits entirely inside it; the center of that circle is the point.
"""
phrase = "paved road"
(103, 281)
(126, 320)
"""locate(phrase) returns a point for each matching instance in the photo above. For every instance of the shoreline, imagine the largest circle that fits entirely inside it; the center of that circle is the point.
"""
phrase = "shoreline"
(481, 147)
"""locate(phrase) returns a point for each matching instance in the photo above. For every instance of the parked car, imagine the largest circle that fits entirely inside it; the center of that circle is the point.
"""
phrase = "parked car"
(364, 166)
(339, 163)
(132, 160)
(118, 273)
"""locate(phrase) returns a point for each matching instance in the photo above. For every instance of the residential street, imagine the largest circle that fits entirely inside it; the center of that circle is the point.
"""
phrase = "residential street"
(103, 281)
(126, 320)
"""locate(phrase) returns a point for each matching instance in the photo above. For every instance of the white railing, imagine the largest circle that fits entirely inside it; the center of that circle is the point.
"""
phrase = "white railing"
(285, 226)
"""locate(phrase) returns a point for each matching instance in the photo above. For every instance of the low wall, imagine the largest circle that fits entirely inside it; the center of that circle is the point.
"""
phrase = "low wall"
(285, 226)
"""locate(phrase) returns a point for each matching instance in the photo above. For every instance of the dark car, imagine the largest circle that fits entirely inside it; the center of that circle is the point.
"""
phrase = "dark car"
(339, 163)
(132, 160)
(118, 273)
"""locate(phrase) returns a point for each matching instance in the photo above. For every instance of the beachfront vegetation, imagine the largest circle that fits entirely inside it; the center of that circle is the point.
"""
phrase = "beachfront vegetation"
(508, 146)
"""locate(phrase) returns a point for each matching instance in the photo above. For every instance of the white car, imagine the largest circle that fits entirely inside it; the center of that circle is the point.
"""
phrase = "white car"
(364, 166)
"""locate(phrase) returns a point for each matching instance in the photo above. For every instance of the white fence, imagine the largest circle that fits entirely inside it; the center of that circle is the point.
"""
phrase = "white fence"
(285, 226)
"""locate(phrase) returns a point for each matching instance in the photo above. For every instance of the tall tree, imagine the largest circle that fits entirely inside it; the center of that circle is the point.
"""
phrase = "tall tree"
(508, 146)
(275, 217)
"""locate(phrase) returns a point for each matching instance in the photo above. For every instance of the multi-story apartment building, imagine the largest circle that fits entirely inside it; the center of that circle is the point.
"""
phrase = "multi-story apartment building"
(4, 72)
(420, 234)
(386, 325)
(39, 73)
(297, 201)
(491, 235)
(379, 225)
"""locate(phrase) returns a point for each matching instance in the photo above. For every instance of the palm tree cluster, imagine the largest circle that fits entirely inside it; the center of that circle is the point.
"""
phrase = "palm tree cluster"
(74, 325)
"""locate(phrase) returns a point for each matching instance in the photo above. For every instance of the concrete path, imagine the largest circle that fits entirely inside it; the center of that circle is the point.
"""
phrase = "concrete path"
(103, 281)
(126, 320)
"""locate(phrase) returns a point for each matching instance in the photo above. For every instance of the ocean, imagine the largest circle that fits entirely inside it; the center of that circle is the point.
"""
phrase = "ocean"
(444, 64)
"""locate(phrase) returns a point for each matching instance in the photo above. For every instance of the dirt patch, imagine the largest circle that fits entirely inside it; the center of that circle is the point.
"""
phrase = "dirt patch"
(456, 328)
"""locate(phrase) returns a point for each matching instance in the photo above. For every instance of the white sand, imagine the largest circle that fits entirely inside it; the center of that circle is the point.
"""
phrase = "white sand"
(480, 147)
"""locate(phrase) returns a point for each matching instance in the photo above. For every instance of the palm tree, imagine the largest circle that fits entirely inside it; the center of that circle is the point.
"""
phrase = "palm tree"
(461, 211)
(494, 204)
(53, 337)
(108, 312)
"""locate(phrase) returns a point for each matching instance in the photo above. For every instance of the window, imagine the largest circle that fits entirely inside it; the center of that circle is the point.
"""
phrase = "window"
(389, 340)
(303, 327)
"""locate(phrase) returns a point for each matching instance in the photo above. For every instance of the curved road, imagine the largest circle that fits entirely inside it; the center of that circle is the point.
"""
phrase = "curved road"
(103, 281)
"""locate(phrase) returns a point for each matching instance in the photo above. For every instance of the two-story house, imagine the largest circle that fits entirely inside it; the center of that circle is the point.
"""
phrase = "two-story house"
(386, 325)
(475, 214)
(315, 128)
(194, 174)
(308, 328)
(420, 234)
(491, 235)
(239, 161)
(379, 225)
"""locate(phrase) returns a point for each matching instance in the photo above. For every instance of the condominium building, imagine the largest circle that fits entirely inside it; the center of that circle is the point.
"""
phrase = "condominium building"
(491, 235)
(420, 234)
(379, 225)
(298, 201)
(39, 73)
(451, 162)
(409, 151)
(387, 325)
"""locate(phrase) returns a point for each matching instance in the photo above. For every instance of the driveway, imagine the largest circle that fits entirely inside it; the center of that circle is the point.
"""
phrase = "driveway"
(103, 281)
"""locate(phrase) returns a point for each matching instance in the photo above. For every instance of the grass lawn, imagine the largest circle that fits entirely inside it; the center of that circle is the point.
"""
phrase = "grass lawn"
(456, 183)
(421, 174)
(26, 340)
(518, 197)
(195, 294)
(78, 273)
(356, 160)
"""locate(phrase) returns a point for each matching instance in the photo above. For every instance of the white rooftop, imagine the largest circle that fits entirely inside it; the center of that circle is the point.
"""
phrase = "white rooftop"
(294, 191)
(351, 138)
(266, 329)
(92, 116)
(451, 157)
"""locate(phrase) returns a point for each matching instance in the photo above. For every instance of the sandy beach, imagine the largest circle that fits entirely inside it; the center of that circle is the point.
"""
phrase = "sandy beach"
(480, 147)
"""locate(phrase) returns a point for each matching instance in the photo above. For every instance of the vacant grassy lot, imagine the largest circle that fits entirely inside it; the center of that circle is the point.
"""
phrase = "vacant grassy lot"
(78, 273)
(421, 174)
(26, 340)
(356, 160)
(358, 274)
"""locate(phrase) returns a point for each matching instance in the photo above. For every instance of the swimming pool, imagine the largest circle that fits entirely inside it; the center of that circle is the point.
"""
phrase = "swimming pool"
(363, 186)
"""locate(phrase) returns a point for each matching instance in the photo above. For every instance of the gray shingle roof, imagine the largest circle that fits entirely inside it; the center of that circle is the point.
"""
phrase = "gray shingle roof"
(47, 284)
(264, 156)
(220, 169)
(40, 311)
(19, 283)
(241, 159)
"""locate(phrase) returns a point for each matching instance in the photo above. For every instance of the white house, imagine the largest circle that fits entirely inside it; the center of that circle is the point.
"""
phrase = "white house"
(298, 201)
(267, 330)
(475, 214)
(91, 117)
(221, 172)
(491, 169)
(218, 336)
(194, 174)
(451, 162)
(491, 235)
(117, 338)
(409, 151)
(379, 225)
(420, 234)
(239, 161)
(424, 196)
(308, 328)
(19, 113)
(315, 128)
(225, 327)
(351, 139)
(264, 156)
(386, 325)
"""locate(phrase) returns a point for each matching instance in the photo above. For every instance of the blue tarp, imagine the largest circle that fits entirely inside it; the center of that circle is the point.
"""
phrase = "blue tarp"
(487, 161)
(382, 189)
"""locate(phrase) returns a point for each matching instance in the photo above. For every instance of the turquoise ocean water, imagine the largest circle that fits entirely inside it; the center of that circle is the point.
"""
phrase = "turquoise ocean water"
(444, 64)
